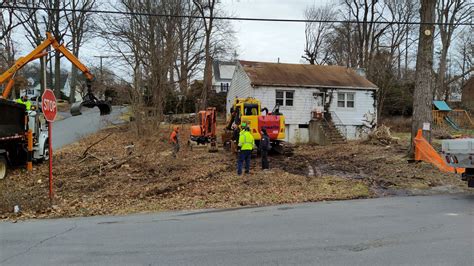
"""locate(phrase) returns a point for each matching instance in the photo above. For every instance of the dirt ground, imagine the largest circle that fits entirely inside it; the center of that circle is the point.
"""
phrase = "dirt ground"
(118, 172)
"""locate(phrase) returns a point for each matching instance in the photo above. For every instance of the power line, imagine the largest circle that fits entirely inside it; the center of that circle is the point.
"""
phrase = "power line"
(230, 18)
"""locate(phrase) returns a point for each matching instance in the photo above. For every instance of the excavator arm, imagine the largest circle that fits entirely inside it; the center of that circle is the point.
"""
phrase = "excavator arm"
(89, 99)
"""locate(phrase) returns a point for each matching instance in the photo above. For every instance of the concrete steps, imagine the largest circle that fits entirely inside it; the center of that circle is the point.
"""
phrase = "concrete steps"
(332, 133)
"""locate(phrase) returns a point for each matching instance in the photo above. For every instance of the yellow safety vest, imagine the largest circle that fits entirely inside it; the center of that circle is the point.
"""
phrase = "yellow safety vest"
(246, 141)
(27, 103)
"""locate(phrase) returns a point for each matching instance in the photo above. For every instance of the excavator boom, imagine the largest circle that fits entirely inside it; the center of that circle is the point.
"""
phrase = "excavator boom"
(89, 99)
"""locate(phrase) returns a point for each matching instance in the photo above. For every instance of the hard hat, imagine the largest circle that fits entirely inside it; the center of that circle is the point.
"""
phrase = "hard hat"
(243, 124)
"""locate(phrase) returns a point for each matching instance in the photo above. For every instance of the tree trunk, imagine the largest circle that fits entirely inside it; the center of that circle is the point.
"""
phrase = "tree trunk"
(207, 72)
(50, 76)
(423, 94)
(42, 77)
(57, 75)
(73, 84)
(440, 81)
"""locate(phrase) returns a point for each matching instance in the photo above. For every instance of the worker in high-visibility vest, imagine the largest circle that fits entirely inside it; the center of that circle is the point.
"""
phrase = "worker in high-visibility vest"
(246, 144)
(24, 100)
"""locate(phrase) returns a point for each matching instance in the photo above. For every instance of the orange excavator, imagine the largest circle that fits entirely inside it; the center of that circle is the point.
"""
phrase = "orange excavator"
(89, 100)
(205, 132)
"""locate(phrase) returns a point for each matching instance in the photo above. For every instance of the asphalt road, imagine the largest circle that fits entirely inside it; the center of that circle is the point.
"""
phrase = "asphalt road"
(425, 230)
(74, 128)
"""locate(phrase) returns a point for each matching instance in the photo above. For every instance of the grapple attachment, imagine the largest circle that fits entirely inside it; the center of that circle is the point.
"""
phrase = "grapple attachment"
(90, 101)
(104, 107)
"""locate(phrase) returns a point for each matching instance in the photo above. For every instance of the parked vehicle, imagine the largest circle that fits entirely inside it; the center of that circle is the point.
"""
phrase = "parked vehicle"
(459, 153)
(14, 138)
(16, 121)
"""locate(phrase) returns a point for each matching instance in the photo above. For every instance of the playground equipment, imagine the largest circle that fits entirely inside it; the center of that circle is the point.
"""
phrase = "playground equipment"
(444, 116)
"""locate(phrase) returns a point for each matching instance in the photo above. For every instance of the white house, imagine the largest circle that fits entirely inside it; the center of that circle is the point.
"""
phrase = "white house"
(34, 88)
(301, 89)
(222, 73)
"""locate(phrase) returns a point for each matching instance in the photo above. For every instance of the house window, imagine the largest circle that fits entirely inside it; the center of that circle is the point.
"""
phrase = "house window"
(284, 98)
(224, 87)
(345, 99)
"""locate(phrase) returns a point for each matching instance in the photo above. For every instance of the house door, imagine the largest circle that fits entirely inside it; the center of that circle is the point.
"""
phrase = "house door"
(318, 101)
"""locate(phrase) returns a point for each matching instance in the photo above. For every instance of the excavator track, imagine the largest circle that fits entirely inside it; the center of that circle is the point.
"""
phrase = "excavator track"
(283, 148)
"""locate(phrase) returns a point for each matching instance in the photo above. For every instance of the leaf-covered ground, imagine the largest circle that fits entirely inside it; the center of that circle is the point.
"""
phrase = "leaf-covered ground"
(126, 172)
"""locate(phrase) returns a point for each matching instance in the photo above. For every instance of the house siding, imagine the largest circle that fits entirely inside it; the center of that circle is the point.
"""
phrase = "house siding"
(353, 118)
(240, 87)
(299, 113)
(350, 121)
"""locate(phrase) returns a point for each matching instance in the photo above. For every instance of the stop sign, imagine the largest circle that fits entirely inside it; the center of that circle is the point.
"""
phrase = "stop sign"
(48, 105)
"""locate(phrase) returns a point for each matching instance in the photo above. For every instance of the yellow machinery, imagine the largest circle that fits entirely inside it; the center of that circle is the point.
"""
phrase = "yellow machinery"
(89, 100)
(249, 111)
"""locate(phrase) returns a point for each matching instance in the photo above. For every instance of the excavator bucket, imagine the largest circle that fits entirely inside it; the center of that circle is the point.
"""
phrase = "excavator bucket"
(104, 107)
(90, 101)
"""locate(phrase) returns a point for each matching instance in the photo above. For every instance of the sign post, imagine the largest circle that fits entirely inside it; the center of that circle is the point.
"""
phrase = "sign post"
(49, 107)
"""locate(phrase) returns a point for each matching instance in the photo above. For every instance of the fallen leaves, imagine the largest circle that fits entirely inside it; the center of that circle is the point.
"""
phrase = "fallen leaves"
(119, 172)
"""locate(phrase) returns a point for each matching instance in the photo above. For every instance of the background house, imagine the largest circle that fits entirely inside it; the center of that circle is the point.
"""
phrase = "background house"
(34, 87)
(348, 98)
(222, 75)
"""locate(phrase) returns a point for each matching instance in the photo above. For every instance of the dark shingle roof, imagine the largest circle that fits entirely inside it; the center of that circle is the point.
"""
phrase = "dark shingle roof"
(303, 75)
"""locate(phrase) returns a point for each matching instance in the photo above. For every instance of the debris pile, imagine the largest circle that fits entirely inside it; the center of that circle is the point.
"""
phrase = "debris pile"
(382, 136)
(441, 133)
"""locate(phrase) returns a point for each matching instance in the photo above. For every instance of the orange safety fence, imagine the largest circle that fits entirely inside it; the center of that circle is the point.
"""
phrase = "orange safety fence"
(425, 152)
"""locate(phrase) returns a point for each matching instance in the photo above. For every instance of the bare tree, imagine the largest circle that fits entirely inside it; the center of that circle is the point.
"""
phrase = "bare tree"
(464, 56)
(148, 44)
(207, 10)
(317, 33)
(8, 20)
(423, 94)
(367, 14)
(37, 23)
(450, 14)
(80, 24)
(398, 10)
(7, 24)
(190, 45)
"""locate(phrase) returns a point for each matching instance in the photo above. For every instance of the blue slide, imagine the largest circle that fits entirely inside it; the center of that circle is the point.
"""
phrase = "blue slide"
(451, 123)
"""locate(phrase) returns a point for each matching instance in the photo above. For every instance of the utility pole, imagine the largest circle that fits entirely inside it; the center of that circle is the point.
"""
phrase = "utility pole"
(101, 69)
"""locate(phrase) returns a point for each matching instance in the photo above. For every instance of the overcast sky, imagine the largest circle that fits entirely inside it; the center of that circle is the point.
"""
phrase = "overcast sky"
(266, 41)
(257, 41)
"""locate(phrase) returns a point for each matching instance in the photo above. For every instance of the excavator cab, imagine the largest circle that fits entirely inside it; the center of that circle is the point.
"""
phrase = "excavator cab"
(90, 101)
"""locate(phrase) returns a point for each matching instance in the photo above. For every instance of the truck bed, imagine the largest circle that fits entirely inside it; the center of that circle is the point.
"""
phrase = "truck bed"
(459, 152)
(12, 119)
